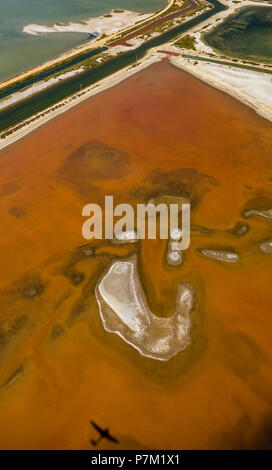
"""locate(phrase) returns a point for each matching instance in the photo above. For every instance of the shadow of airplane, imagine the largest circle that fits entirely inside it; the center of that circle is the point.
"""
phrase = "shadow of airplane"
(104, 434)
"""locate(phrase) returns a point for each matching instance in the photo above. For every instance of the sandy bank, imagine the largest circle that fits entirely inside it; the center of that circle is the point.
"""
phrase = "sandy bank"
(42, 85)
(123, 309)
(251, 88)
(255, 85)
(111, 23)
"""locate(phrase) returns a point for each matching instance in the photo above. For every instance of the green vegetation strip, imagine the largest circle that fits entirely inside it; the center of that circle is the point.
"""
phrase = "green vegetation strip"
(34, 104)
(186, 42)
(60, 67)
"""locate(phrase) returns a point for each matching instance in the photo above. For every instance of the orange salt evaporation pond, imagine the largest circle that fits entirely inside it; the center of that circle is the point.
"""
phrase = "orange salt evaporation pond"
(160, 133)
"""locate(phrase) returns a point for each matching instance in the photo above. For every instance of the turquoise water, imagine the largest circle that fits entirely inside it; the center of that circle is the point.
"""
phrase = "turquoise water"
(38, 102)
(20, 51)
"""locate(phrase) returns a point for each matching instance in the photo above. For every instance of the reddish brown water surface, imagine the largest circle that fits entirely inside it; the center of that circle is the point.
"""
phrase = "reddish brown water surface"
(161, 132)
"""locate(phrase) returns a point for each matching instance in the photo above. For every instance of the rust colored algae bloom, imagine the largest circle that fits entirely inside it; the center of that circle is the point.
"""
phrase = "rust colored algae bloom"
(160, 135)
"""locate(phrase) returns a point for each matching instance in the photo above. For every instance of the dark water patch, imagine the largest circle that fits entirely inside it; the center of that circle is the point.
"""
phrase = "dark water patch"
(69, 269)
(9, 188)
(239, 229)
(12, 329)
(63, 298)
(94, 160)
(86, 251)
(17, 212)
(259, 203)
(201, 229)
(186, 182)
(258, 206)
(81, 306)
(56, 331)
(74, 277)
(81, 253)
(33, 288)
(13, 377)
(17, 325)
(246, 34)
